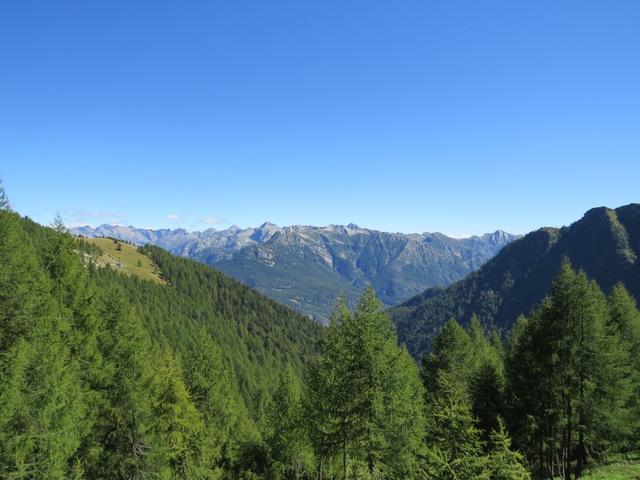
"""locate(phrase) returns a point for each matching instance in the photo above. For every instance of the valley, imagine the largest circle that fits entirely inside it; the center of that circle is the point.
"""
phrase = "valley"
(210, 378)
(307, 268)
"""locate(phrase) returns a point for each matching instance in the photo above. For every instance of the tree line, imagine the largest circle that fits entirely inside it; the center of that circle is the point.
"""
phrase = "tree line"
(562, 392)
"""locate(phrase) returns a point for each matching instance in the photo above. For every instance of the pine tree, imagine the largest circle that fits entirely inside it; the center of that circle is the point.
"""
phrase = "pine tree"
(4, 199)
(566, 355)
(41, 404)
(322, 423)
(487, 395)
(177, 427)
(454, 449)
(213, 392)
(453, 354)
(624, 325)
(487, 382)
(368, 390)
(403, 419)
(82, 328)
(288, 443)
(331, 407)
(123, 427)
(41, 410)
(504, 463)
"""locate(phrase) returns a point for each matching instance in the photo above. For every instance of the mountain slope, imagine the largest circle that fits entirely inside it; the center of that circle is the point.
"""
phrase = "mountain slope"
(308, 267)
(605, 243)
(258, 337)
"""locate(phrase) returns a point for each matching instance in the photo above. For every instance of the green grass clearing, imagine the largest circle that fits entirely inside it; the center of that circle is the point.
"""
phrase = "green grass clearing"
(126, 259)
(615, 471)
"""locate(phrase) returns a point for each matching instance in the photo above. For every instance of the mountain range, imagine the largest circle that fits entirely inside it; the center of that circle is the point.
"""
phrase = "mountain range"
(308, 267)
(605, 243)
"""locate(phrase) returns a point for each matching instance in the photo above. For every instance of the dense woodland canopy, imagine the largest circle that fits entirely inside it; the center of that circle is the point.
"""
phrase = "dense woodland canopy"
(104, 376)
(605, 243)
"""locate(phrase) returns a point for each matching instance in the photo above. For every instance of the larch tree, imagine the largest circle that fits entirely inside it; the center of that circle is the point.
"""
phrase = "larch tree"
(452, 353)
(177, 451)
(42, 405)
(289, 446)
(4, 199)
(566, 355)
(370, 393)
(123, 429)
(453, 446)
(624, 320)
(503, 462)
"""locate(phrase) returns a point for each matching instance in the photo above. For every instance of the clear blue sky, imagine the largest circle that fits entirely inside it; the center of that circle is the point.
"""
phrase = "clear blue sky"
(453, 116)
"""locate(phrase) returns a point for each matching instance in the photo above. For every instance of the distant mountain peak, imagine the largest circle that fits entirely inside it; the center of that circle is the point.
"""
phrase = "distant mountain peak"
(283, 262)
(268, 225)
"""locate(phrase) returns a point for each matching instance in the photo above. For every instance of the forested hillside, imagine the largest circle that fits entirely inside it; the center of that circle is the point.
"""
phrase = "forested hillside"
(105, 375)
(605, 243)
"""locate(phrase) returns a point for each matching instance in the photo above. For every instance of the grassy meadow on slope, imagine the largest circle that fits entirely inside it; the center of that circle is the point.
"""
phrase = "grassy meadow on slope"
(125, 258)
(615, 471)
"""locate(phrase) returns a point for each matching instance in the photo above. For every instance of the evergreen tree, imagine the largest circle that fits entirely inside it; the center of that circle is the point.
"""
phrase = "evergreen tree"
(487, 395)
(177, 427)
(322, 423)
(624, 319)
(566, 355)
(503, 462)
(369, 393)
(453, 354)
(331, 406)
(82, 328)
(454, 449)
(41, 410)
(290, 450)
(213, 392)
(123, 427)
(487, 382)
(4, 199)
(42, 407)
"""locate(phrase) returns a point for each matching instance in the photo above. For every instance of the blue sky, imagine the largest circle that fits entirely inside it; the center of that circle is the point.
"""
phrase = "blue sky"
(453, 116)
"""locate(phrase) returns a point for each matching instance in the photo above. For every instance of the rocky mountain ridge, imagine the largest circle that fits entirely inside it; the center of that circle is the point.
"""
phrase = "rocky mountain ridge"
(308, 267)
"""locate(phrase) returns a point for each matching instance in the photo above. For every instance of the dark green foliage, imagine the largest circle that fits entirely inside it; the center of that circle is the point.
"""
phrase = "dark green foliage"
(465, 385)
(177, 428)
(454, 449)
(91, 364)
(503, 462)
(487, 380)
(605, 243)
(574, 363)
(289, 446)
(42, 406)
(213, 391)
(104, 376)
(452, 354)
(624, 322)
(123, 427)
(474, 363)
(366, 400)
(258, 336)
